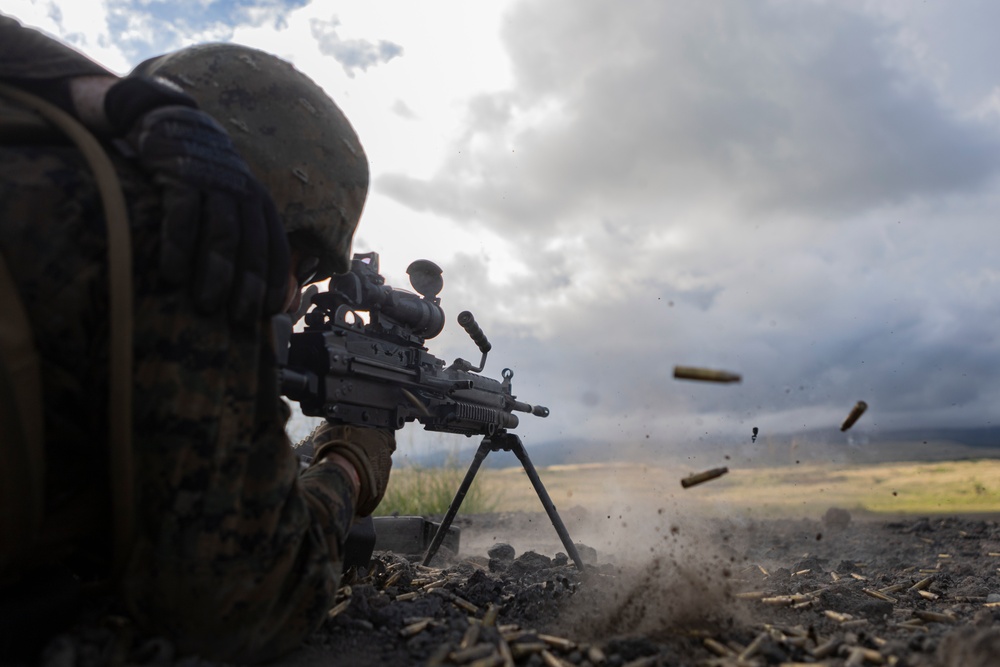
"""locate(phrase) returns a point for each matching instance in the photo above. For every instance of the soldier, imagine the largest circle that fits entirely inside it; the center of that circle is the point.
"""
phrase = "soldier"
(235, 555)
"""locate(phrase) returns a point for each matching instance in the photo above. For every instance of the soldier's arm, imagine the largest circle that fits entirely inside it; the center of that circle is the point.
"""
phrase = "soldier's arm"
(239, 554)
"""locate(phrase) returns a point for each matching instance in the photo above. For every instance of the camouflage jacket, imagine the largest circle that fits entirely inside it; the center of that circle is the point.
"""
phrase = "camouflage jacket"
(238, 555)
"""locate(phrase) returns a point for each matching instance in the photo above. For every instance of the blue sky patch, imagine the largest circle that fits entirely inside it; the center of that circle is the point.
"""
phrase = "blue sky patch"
(150, 28)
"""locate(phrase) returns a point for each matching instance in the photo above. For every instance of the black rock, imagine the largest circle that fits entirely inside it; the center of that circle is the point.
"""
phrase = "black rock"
(501, 551)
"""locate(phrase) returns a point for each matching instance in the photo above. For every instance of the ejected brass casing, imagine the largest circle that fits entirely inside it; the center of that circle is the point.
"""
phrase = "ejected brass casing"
(856, 412)
(704, 374)
(700, 477)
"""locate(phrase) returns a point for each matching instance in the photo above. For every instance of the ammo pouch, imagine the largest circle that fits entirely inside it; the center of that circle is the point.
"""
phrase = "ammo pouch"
(24, 118)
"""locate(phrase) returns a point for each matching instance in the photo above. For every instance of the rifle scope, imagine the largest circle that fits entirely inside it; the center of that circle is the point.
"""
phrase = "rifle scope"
(422, 316)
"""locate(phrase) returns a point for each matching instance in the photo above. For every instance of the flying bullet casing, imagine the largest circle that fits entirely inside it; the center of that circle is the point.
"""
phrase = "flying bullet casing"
(705, 374)
(856, 412)
(701, 477)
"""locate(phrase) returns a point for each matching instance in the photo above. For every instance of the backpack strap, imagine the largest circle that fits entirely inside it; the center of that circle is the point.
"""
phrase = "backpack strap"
(120, 342)
(22, 438)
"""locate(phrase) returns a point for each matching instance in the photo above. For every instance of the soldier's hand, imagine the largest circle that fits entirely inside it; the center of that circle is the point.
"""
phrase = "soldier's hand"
(221, 231)
(369, 450)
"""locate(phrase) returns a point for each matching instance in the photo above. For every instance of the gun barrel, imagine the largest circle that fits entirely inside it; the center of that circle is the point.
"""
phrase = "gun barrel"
(537, 410)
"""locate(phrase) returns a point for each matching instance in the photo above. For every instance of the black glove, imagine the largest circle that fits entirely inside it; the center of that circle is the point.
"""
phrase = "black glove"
(221, 230)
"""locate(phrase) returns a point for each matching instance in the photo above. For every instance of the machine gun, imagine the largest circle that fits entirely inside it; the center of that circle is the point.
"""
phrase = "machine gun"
(361, 360)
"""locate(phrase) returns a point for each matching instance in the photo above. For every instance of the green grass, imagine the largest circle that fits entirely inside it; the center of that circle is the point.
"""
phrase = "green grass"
(418, 490)
(791, 490)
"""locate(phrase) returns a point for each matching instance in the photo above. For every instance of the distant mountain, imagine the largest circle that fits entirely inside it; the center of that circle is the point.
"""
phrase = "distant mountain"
(987, 436)
(859, 446)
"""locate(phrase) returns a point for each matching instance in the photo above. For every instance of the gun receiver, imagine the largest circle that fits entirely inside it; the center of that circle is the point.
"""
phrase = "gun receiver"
(374, 370)
(361, 360)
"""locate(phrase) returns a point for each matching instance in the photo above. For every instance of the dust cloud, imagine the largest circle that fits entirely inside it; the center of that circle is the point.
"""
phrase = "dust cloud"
(658, 566)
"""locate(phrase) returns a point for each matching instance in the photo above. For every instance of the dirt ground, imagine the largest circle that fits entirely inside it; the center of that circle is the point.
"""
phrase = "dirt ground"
(660, 586)
(833, 590)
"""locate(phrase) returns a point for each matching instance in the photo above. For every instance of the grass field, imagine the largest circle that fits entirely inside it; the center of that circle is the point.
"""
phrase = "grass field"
(794, 490)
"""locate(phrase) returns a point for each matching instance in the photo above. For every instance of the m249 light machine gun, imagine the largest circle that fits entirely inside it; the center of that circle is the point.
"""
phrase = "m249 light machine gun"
(361, 360)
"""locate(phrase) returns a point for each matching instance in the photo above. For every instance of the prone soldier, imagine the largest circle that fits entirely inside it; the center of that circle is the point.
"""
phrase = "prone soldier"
(242, 181)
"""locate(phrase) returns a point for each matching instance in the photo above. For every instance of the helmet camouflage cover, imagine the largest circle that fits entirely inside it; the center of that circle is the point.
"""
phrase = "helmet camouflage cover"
(294, 137)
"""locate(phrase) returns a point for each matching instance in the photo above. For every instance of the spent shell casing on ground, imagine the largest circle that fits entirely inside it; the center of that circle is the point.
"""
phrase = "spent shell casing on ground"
(717, 648)
(490, 617)
(504, 649)
(465, 605)
(828, 647)
(700, 477)
(778, 600)
(333, 613)
(415, 628)
(895, 588)
(933, 616)
(527, 648)
(856, 412)
(837, 616)
(493, 660)
(750, 595)
(550, 660)
(752, 647)
(471, 653)
(470, 638)
(705, 374)
(878, 595)
(560, 643)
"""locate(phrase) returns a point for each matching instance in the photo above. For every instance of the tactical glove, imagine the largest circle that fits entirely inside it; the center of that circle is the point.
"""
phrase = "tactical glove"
(221, 231)
(369, 450)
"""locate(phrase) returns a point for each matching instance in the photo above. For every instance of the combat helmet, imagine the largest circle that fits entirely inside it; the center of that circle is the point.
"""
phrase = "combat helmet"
(294, 137)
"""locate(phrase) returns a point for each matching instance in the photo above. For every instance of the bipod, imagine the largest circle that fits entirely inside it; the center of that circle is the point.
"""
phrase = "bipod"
(507, 442)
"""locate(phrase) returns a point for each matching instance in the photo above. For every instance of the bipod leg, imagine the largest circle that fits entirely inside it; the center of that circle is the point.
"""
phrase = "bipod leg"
(484, 449)
(521, 453)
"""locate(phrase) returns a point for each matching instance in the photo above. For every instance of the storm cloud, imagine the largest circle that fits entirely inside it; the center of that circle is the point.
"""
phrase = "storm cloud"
(801, 192)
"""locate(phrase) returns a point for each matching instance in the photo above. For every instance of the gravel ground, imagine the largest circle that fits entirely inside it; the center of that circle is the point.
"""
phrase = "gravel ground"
(833, 590)
(836, 591)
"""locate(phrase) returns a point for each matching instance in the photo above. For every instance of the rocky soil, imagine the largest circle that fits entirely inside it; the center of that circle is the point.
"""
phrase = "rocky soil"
(661, 589)
(835, 591)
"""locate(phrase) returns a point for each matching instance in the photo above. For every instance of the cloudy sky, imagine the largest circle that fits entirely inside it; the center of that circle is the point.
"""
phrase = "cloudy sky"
(805, 193)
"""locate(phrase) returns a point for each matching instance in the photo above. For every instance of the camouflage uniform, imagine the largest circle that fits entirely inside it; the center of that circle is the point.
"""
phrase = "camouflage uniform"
(238, 556)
